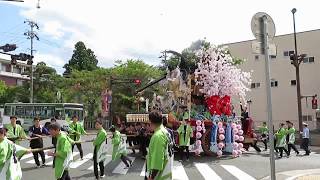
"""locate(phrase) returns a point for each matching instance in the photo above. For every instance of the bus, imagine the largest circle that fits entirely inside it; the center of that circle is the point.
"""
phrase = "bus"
(26, 112)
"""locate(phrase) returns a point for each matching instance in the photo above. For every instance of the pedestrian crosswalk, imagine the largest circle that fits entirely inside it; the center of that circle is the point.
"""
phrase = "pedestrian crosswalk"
(179, 171)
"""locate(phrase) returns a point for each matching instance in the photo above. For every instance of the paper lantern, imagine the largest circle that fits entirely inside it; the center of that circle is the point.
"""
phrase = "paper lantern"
(254, 135)
(239, 152)
(233, 125)
(197, 151)
(238, 126)
(240, 132)
(220, 124)
(198, 122)
(198, 143)
(240, 145)
(198, 135)
(199, 128)
(235, 145)
(235, 131)
(236, 137)
(235, 153)
(221, 130)
(219, 153)
(241, 138)
(221, 137)
(220, 145)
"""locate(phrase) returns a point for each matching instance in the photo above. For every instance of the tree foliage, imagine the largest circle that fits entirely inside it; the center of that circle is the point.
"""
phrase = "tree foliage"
(82, 59)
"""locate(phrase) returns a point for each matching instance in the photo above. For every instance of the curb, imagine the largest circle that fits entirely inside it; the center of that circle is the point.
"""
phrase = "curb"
(296, 174)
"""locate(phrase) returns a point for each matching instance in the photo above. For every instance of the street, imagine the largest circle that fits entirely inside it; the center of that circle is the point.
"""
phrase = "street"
(248, 167)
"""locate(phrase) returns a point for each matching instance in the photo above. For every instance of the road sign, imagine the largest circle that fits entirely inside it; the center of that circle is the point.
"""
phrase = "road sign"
(256, 28)
(257, 48)
(263, 28)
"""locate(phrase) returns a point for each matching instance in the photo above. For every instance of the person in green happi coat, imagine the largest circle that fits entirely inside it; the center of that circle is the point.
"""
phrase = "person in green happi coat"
(63, 153)
(264, 134)
(119, 149)
(185, 133)
(291, 137)
(281, 140)
(14, 131)
(99, 152)
(75, 131)
(9, 157)
(159, 162)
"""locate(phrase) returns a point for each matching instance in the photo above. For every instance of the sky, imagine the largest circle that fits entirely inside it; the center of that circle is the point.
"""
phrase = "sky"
(141, 29)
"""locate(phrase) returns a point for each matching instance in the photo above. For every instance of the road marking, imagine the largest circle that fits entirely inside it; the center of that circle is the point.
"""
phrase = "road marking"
(206, 172)
(108, 159)
(78, 163)
(143, 171)
(120, 169)
(178, 172)
(73, 154)
(236, 172)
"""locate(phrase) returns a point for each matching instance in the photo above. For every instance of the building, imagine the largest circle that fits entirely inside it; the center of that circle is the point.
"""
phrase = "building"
(283, 78)
(12, 75)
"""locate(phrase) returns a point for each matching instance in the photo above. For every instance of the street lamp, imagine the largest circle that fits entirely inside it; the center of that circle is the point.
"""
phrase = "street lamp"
(296, 60)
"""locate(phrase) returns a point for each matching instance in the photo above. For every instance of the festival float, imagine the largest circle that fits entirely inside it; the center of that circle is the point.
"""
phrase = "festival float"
(203, 97)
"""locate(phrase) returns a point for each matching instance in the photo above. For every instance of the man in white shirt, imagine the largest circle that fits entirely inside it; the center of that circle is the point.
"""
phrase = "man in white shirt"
(305, 138)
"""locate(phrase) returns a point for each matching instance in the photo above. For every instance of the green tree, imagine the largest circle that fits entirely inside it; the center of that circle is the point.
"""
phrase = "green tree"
(82, 59)
(124, 96)
(3, 88)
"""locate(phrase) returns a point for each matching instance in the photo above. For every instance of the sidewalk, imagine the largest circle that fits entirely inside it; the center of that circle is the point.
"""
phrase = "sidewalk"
(309, 174)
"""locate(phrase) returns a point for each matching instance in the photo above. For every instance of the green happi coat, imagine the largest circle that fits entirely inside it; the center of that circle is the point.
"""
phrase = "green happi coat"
(281, 137)
(76, 130)
(63, 155)
(10, 154)
(15, 134)
(291, 134)
(100, 145)
(118, 146)
(184, 136)
(264, 130)
(158, 157)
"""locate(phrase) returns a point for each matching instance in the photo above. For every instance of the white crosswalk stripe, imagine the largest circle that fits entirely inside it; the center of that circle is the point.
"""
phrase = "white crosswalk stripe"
(108, 159)
(27, 156)
(206, 172)
(78, 163)
(120, 169)
(178, 172)
(236, 172)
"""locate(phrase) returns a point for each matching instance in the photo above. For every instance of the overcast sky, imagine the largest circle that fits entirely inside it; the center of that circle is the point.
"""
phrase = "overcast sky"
(121, 29)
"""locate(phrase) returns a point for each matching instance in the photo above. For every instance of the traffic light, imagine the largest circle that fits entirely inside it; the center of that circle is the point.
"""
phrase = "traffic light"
(14, 59)
(137, 82)
(8, 47)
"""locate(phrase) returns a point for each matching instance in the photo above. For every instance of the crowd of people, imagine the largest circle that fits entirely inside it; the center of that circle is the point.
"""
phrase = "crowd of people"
(159, 145)
(284, 138)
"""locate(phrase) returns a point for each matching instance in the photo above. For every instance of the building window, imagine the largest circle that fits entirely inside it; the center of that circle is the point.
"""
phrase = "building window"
(305, 60)
(286, 53)
(311, 59)
(273, 56)
(256, 57)
(306, 118)
(255, 85)
(293, 82)
(274, 83)
(16, 70)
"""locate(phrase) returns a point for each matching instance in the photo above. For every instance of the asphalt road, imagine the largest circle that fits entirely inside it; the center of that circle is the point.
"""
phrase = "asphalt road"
(249, 166)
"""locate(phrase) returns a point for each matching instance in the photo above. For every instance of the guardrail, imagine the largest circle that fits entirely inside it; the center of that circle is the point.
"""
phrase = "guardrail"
(89, 125)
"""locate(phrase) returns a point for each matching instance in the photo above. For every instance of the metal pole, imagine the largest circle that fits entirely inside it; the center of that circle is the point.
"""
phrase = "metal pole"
(296, 65)
(268, 90)
(31, 53)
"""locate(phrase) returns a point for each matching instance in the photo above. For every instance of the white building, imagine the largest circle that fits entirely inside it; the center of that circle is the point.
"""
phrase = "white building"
(284, 93)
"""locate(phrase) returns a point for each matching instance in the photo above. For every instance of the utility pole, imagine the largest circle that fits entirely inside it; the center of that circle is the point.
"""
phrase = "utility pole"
(31, 35)
(296, 61)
